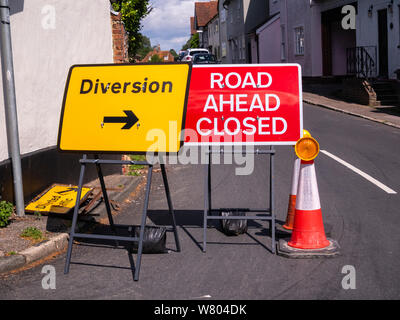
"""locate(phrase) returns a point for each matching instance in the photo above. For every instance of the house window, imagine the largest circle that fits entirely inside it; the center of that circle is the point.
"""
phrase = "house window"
(232, 50)
(299, 40)
(223, 49)
(223, 15)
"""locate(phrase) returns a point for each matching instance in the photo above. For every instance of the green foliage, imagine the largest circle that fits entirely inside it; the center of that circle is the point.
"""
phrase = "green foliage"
(6, 211)
(155, 58)
(193, 42)
(134, 169)
(186, 45)
(173, 52)
(144, 47)
(132, 13)
(32, 233)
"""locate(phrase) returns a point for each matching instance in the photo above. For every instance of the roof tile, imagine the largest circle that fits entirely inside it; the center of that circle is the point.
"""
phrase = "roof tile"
(205, 11)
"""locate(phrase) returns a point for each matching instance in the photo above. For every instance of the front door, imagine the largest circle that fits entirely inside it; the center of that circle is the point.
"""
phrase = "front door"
(383, 43)
(335, 41)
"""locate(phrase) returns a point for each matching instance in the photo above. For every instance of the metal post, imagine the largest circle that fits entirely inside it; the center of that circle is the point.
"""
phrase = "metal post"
(207, 205)
(75, 216)
(105, 196)
(170, 207)
(209, 181)
(143, 224)
(272, 197)
(10, 105)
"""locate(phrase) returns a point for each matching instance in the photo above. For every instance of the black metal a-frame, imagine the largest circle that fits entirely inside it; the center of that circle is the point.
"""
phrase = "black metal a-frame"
(73, 234)
(264, 213)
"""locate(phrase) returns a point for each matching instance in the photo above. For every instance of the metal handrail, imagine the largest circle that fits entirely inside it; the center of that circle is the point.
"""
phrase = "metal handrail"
(360, 62)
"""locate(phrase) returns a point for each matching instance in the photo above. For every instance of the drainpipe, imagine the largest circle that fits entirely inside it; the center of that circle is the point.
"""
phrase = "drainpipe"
(258, 48)
(10, 105)
(286, 32)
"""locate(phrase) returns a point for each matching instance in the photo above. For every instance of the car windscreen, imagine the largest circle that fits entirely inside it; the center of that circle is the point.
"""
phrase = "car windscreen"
(204, 57)
(195, 52)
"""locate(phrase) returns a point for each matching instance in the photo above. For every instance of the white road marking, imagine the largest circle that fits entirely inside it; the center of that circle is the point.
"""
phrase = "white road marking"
(361, 173)
(202, 297)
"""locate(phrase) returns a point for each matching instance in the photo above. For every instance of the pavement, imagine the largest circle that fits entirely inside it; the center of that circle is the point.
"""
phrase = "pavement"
(121, 189)
(389, 115)
(132, 185)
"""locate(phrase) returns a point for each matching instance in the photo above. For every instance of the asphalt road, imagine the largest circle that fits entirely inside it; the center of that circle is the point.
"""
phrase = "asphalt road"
(362, 217)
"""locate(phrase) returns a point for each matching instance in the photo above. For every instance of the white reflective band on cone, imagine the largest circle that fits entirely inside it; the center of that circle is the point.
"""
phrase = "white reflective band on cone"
(307, 192)
(295, 176)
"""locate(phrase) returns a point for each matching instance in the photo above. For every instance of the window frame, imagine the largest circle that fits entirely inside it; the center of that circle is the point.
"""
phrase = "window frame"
(283, 42)
(297, 40)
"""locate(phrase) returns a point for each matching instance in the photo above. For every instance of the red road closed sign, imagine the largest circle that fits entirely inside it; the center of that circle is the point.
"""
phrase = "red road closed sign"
(256, 104)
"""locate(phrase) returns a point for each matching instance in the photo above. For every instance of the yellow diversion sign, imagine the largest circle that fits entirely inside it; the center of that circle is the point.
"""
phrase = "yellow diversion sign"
(57, 199)
(122, 108)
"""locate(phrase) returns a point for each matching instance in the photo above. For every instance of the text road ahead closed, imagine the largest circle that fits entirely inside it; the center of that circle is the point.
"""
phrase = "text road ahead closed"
(244, 105)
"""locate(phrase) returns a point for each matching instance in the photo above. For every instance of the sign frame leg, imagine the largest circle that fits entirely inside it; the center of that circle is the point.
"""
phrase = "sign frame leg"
(105, 195)
(143, 223)
(170, 207)
(272, 198)
(75, 216)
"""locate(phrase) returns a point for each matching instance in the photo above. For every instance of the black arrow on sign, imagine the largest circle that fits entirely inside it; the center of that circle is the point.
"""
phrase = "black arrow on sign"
(129, 120)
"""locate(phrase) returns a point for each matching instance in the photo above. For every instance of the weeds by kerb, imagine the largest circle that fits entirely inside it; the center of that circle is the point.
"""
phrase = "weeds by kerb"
(6, 211)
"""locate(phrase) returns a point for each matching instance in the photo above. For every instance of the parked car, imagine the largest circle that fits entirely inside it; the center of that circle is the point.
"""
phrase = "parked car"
(192, 51)
(181, 54)
(204, 58)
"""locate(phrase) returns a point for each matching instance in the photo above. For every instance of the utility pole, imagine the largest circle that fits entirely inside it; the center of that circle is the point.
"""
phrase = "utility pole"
(10, 105)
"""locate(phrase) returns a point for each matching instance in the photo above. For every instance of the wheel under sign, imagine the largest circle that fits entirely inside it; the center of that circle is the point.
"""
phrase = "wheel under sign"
(244, 105)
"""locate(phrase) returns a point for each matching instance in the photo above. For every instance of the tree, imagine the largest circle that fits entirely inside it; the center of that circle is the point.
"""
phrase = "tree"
(186, 45)
(193, 42)
(144, 47)
(132, 13)
(156, 58)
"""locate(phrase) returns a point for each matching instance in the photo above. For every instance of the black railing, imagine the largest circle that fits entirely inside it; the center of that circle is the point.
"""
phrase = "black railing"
(361, 62)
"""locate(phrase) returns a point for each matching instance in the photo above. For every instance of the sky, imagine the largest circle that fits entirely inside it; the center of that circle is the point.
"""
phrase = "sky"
(169, 23)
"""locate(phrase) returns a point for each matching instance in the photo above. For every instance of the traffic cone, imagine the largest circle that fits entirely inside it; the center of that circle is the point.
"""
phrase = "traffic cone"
(308, 238)
(308, 229)
(292, 196)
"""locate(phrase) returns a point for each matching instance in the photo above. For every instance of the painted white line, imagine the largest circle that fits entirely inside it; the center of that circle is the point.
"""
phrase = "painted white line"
(202, 297)
(361, 173)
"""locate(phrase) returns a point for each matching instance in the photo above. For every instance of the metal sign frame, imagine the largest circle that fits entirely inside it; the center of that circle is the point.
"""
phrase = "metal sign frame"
(267, 213)
(73, 234)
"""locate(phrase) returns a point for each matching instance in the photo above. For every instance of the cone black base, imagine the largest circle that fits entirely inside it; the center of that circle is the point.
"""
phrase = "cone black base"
(283, 249)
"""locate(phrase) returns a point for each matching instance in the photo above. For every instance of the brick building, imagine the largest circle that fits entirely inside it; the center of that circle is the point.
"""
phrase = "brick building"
(165, 56)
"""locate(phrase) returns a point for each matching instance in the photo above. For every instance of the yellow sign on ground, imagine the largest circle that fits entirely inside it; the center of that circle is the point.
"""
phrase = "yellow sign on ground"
(57, 199)
(124, 108)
